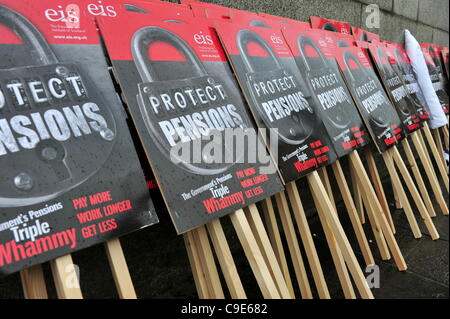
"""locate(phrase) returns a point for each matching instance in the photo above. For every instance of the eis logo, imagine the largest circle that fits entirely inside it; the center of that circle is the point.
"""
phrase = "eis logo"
(203, 39)
(70, 14)
(276, 39)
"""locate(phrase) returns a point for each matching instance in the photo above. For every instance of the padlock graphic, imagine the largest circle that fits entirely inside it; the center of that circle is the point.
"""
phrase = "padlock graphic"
(433, 56)
(435, 70)
(390, 74)
(339, 116)
(360, 76)
(168, 77)
(134, 8)
(58, 130)
(297, 126)
(328, 26)
(365, 37)
(415, 96)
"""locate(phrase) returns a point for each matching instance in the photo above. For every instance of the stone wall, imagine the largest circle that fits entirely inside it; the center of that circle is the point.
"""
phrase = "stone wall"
(426, 19)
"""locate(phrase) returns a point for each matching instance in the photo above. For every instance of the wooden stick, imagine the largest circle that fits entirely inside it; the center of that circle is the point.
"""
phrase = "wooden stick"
(208, 264)
(325, 208)
(33, 283)
(294, 249)
(226, 260)
(378, 186)
(429, 170)
(119, 269)
(326, 182)
(375, 224)
(437, 157)
(414, 193)
(397, 201)
(275, 239)
(307, 240)
(263, 241)
(254, 255)
(352, 213)
(369, 193)
(196, 266)
(336, 254)
(374, 221)
(427, 151)
(402, 195)
(444, 130)
(440, 147)
(357, 196)
(66, 278)
(425, 148)
(418, 177)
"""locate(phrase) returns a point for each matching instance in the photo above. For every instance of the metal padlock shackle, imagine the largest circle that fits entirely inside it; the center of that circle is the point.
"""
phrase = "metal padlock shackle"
(258, 23)
(29, 34)
(347, 55)
(433, 56)
(303, 41)
(350, 56)
(246, 36)
(343, 44)
(365, 37)
(382, 55)
(148, 35)
(134, 8)
(401, 60)
(329, 27)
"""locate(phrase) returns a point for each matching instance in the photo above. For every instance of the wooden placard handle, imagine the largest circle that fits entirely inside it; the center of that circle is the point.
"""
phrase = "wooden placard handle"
(33, 283)
(119, 269)
(326, 208)
(254, 255)
(226, 260)
(371, 197)
(196, 266)
(307, 240)
(275, 239)
(414, 192)
(418, 178)
(66, 278)
(429, 170)
(378, 186)
(353, 213)
(294, 248)
(437, 157)
(265, 247)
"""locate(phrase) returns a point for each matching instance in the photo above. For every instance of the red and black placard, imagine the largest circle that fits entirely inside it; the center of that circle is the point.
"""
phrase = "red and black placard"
(388, 68)
(364, 35)
(184, 101)
(330, 25)
(440, 83)
(408, 75)
(314, 51)
(374, 105)
(277, 95)
(286, 21)
(70, 176)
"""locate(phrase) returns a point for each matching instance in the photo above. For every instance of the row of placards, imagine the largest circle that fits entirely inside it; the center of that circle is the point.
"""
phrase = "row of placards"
(70, 174)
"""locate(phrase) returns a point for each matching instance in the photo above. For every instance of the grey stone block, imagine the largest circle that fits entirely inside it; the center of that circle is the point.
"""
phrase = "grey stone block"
(391, 26)
(434, 13)
(424, 33)
(440, 37)
(383, 4)
(406, 8)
